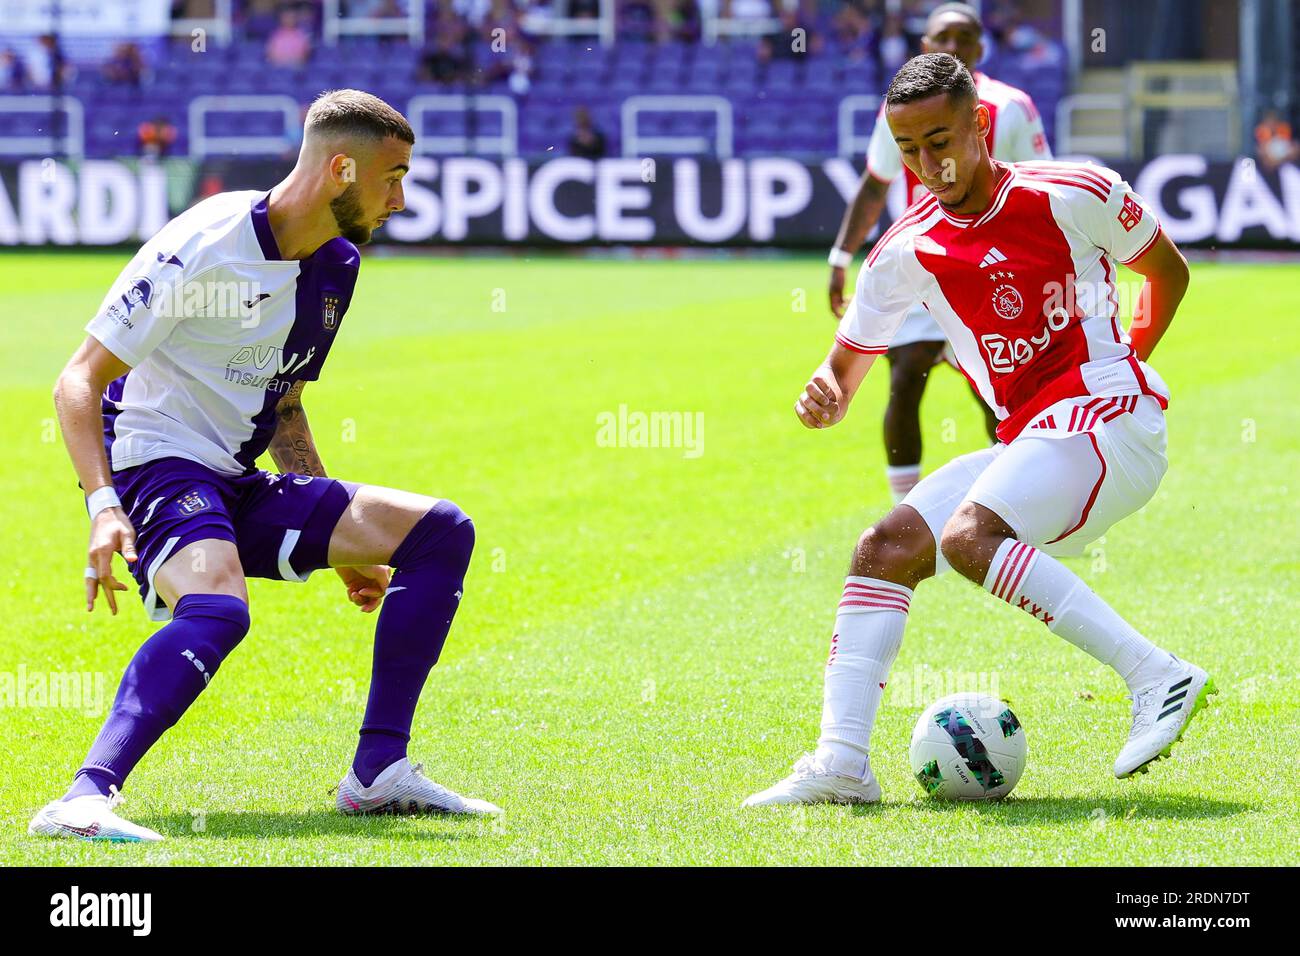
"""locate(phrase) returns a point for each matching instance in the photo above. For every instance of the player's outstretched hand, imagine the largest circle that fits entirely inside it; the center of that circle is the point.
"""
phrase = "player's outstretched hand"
(366, 584)
(110, 533)
(837, 292)
(820, 405)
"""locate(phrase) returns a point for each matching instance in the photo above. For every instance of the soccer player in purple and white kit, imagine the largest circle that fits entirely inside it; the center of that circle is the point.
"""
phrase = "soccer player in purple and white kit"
(178, 389)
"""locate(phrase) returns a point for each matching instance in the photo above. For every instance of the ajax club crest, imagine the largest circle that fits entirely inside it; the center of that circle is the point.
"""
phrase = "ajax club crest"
(330, 312)
(1007, 302)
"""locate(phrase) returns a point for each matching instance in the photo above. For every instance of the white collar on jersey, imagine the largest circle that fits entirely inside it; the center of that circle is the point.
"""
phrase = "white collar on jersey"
(1000, 193)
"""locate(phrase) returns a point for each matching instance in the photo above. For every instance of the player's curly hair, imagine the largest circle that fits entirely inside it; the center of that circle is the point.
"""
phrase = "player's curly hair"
(354, 113)
(929, 75)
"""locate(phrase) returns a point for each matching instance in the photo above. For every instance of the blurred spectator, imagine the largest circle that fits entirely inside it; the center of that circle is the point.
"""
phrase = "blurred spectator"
(520, 55)
(1000, 19)
(155, 137)
(126, 66)
(852, 28)
(793, 40)
(639, 20)
(13, 75)
(502, 16)
(257, 19)
(584, 9)
(47, 65)
(290, 44)
(682, 20)
(1273, 141)
(586, 141)
(1031, 46)
(447, 59)
(892, 47)
(512, 54)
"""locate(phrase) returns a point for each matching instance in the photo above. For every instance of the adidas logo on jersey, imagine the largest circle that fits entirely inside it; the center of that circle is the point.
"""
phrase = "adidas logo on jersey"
(992, 257)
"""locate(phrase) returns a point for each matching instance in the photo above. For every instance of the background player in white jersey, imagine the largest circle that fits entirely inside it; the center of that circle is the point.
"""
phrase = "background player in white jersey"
(193, 367)
(1015, 134)
(1081, 416)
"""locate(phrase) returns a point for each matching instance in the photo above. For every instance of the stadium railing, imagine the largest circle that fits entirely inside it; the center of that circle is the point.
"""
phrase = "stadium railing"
(851, 142)
(1073, 111)
(1188, 92)
(541, 22)
(504, 143)
(202, 143)
(636, 143)
(714, 26)
(335, 24)
(72, 143)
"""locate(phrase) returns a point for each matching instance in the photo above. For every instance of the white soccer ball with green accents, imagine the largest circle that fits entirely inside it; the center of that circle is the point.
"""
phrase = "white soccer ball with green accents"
(968, 747)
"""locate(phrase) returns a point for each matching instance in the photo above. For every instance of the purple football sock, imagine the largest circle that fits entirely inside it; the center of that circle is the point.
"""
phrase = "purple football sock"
(413, 623)
(166, 675)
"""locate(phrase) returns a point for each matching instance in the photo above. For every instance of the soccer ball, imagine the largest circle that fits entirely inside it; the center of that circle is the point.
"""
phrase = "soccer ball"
(968, 747)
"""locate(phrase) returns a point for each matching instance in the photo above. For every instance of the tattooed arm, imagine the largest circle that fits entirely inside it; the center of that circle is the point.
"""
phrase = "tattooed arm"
(293, 450)
(292, 447)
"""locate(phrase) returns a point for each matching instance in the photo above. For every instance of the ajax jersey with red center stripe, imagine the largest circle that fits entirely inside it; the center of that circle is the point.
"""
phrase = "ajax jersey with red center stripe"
(1025, 291)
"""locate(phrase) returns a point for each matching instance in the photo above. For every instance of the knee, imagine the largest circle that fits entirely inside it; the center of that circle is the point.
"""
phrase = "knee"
(959, 542)
(907, 377)
(444, 535)
(215, 624)
(459, 540)
(898, 548)
(226, 614)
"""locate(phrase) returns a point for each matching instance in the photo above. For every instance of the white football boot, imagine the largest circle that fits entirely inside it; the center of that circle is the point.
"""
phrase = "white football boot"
(1161, 712)
(89, 818)
(815, 782)
(402, 789)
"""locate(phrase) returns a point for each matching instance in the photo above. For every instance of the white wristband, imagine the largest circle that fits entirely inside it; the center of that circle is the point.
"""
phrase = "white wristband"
(840, 258)
(102, 498)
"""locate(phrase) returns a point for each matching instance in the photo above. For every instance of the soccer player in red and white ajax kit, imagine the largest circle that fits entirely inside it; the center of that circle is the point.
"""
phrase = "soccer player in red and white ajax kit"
(1015, 133)
(1016, 262)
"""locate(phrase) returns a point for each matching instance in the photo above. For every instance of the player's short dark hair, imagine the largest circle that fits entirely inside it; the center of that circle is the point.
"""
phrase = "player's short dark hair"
(929, 75)
(965, 9)
(353, 113)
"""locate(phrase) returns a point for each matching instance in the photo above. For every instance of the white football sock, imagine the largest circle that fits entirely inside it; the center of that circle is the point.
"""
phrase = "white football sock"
(1046, 589)
(868, 633)
(902, 479)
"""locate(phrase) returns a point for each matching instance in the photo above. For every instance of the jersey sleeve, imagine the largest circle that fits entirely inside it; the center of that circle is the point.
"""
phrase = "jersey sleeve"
(881, 301)
(142, 307)
(883, 158)
(1123, 225)
(1028, 140)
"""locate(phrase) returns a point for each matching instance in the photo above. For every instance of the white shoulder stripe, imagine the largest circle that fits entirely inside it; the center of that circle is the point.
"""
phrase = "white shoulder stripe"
(919, 217)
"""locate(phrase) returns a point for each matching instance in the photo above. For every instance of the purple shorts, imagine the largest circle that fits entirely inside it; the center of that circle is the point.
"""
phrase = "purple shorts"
(281, 524)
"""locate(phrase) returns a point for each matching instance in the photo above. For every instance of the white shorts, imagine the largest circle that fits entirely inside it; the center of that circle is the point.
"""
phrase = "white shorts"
(1062, 481)
(919, 326)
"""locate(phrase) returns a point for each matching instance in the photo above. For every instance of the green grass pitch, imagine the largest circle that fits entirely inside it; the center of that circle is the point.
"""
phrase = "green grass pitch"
(643, 633)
